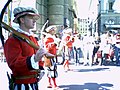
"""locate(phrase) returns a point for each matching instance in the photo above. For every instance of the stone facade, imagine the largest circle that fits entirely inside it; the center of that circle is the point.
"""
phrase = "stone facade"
(58, 12)
(107, 18)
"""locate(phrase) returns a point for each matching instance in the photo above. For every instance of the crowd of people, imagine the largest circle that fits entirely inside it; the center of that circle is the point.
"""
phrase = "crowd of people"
(90, 50)
(95, 49)
(27, 63)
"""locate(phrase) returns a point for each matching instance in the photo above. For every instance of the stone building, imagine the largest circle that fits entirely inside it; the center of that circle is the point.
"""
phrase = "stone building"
(58, 12)
(83, 25)
(108, 18)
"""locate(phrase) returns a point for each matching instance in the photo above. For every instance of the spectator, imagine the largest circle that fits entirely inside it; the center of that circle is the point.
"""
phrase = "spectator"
(61, 32)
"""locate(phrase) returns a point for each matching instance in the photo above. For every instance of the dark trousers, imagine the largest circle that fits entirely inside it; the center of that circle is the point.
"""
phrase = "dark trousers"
(78, 54)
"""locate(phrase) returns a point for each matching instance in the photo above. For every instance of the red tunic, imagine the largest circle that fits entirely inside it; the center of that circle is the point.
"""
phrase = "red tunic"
(18, 54)
(68, 41)
(50, 45)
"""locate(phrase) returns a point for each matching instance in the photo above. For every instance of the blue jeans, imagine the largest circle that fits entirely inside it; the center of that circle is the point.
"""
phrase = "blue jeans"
(78, 54)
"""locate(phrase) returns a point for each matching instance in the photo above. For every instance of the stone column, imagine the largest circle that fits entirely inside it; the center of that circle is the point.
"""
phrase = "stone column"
(56, 12)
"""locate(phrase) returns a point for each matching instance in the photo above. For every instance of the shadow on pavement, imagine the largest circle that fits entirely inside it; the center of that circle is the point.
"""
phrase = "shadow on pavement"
(89, 70)
(88, 86)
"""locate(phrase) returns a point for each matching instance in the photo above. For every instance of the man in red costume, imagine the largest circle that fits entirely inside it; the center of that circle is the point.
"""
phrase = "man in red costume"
(23, 59)
(67, 41)
(51, 47)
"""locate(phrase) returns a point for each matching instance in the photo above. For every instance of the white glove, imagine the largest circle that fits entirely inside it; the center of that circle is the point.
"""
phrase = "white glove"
(40, 53)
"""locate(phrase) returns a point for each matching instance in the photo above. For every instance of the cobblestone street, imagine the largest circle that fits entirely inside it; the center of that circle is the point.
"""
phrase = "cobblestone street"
(79, 78)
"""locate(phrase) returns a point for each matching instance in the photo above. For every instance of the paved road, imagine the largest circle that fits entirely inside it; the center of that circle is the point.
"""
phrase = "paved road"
(80, 78)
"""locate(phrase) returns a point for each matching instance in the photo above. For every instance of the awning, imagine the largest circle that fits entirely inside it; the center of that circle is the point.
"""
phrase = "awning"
(112, 26)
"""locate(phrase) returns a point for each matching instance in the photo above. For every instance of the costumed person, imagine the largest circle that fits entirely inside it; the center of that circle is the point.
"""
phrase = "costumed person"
(51, 46)
(21, 57)
(67, 41)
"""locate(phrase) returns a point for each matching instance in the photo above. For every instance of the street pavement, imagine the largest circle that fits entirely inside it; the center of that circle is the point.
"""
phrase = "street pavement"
(79, 78)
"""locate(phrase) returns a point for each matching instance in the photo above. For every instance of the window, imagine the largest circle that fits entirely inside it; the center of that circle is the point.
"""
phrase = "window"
(110, 5)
